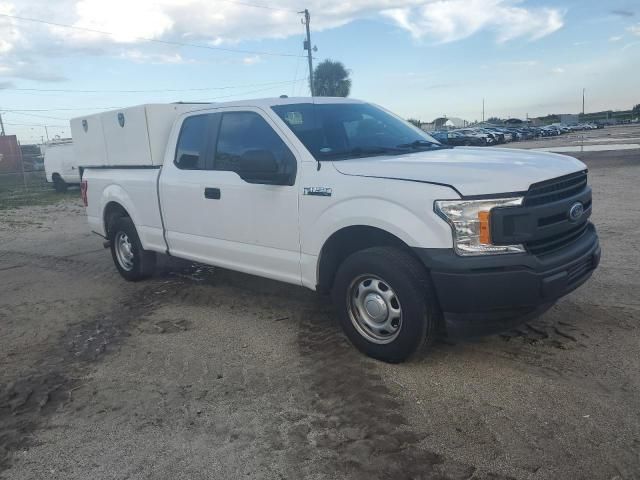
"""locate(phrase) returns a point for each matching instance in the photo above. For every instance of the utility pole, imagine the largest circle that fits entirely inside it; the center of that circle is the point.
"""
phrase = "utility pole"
(46, 132)
(307, 47)
(482, 109)
(1, 126)
(583, 102)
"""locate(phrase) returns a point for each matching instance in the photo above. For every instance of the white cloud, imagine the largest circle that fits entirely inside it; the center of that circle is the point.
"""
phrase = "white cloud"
(252, 60)
(635, 29)
(615, 38)
(9, 34)
(451, 20)
(557, 70)
(227, 23)
(522, 63)
(126, 19)
(154, 58)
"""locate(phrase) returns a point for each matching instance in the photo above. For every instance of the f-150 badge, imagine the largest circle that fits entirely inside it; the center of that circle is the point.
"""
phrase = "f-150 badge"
(318, 191)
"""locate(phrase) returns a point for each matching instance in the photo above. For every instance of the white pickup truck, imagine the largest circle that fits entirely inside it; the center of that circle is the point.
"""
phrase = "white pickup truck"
(411, 238)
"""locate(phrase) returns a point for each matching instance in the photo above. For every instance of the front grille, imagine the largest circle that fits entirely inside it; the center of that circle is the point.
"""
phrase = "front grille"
(559, 217)
(555, 189)
(551, 244)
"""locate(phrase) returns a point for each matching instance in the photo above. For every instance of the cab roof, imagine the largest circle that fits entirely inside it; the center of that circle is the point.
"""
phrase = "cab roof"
(269, 102)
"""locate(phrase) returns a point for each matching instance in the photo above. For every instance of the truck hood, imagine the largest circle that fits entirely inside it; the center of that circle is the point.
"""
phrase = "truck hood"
(471, 171)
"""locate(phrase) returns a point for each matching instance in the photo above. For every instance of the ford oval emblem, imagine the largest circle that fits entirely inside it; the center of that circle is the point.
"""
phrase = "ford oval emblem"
(121, 119)
(576, 211)
(85, 125)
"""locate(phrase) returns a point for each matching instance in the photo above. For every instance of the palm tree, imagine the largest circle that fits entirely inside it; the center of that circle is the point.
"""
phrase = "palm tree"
(331, 79)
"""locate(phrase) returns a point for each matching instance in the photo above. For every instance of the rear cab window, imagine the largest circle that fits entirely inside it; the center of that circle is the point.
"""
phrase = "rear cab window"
(191, 151)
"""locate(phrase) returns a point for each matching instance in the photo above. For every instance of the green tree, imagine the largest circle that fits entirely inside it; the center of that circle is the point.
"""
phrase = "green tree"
(331, 79)
(635, 112)
(414, 121)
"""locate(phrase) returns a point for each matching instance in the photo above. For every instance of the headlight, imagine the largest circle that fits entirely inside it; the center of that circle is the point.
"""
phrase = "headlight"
(470, 222)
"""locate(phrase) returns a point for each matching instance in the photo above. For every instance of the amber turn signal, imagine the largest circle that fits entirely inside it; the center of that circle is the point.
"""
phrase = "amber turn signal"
(485, 231)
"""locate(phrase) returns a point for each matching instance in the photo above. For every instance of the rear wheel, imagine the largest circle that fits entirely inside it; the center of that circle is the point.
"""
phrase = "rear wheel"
(59, 184)
(132, 261)
(385, 303)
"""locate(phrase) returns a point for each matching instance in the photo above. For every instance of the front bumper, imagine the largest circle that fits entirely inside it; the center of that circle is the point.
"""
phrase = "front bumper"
(482, 295)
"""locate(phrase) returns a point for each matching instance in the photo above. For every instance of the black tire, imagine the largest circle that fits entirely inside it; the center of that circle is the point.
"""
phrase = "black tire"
(59, 184)
(408, 279)
(143, 262)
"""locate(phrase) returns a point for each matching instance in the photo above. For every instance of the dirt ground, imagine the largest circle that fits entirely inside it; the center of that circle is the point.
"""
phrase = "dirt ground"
(202, 373)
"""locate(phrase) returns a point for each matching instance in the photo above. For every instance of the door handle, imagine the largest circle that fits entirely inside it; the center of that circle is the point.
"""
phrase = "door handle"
(212, 193)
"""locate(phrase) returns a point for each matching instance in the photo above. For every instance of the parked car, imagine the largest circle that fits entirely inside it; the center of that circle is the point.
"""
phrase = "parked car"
(459, 138)
(475, 132)
(441, 136)
(409, 237)
(550, 131)
(501, 136)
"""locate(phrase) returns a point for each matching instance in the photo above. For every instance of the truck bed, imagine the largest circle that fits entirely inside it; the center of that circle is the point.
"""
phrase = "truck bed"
(136, 189)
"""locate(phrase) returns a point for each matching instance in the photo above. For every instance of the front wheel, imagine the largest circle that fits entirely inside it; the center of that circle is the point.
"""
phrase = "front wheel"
(132, 261)
(386, 303)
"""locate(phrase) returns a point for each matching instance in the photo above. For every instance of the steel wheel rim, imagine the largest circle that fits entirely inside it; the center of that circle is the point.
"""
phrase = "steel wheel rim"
(124, 251)
(374, 309)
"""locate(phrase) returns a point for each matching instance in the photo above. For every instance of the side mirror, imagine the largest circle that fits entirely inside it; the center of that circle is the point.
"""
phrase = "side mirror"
(261, 162)
(188, 161)
(261, 166)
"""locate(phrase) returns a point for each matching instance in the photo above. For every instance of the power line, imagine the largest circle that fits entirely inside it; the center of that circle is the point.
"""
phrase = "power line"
(58, 109)
(266, 7)
(154, 40)
(35, 125)
(34, 115)
(295, 76)
(244, 93)
(161, 90)
(23, 112)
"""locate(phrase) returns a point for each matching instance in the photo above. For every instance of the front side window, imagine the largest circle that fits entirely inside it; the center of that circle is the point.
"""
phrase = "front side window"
(340, 131)
(192, 143)
(249, 146)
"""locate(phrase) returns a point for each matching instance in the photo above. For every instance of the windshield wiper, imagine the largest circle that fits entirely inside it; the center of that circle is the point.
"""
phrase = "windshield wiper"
(422, 143)
(365, 151)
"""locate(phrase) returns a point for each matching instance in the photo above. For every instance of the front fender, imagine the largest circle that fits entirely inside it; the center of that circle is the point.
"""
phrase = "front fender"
(416, 229)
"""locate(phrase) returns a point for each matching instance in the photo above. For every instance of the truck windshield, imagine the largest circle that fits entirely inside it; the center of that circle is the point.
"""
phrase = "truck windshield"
(341, 131)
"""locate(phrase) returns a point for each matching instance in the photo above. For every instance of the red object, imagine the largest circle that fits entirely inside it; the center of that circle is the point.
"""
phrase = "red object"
(83, 192)
(10, 155)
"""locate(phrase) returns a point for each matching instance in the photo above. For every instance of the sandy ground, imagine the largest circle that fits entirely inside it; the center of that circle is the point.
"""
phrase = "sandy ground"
(201, 373)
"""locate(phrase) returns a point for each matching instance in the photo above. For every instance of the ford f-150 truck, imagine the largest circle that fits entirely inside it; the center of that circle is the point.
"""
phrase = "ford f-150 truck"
(411, 238)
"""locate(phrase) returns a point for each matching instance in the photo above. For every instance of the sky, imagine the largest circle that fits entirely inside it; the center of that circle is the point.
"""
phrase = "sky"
(419, 58)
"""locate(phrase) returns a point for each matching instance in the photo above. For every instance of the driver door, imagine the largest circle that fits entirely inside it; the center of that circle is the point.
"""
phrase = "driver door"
(246, 202)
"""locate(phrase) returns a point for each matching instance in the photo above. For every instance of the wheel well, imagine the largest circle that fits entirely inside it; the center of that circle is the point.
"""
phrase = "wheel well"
(55, 175)
(112, 211)
(349, 240)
